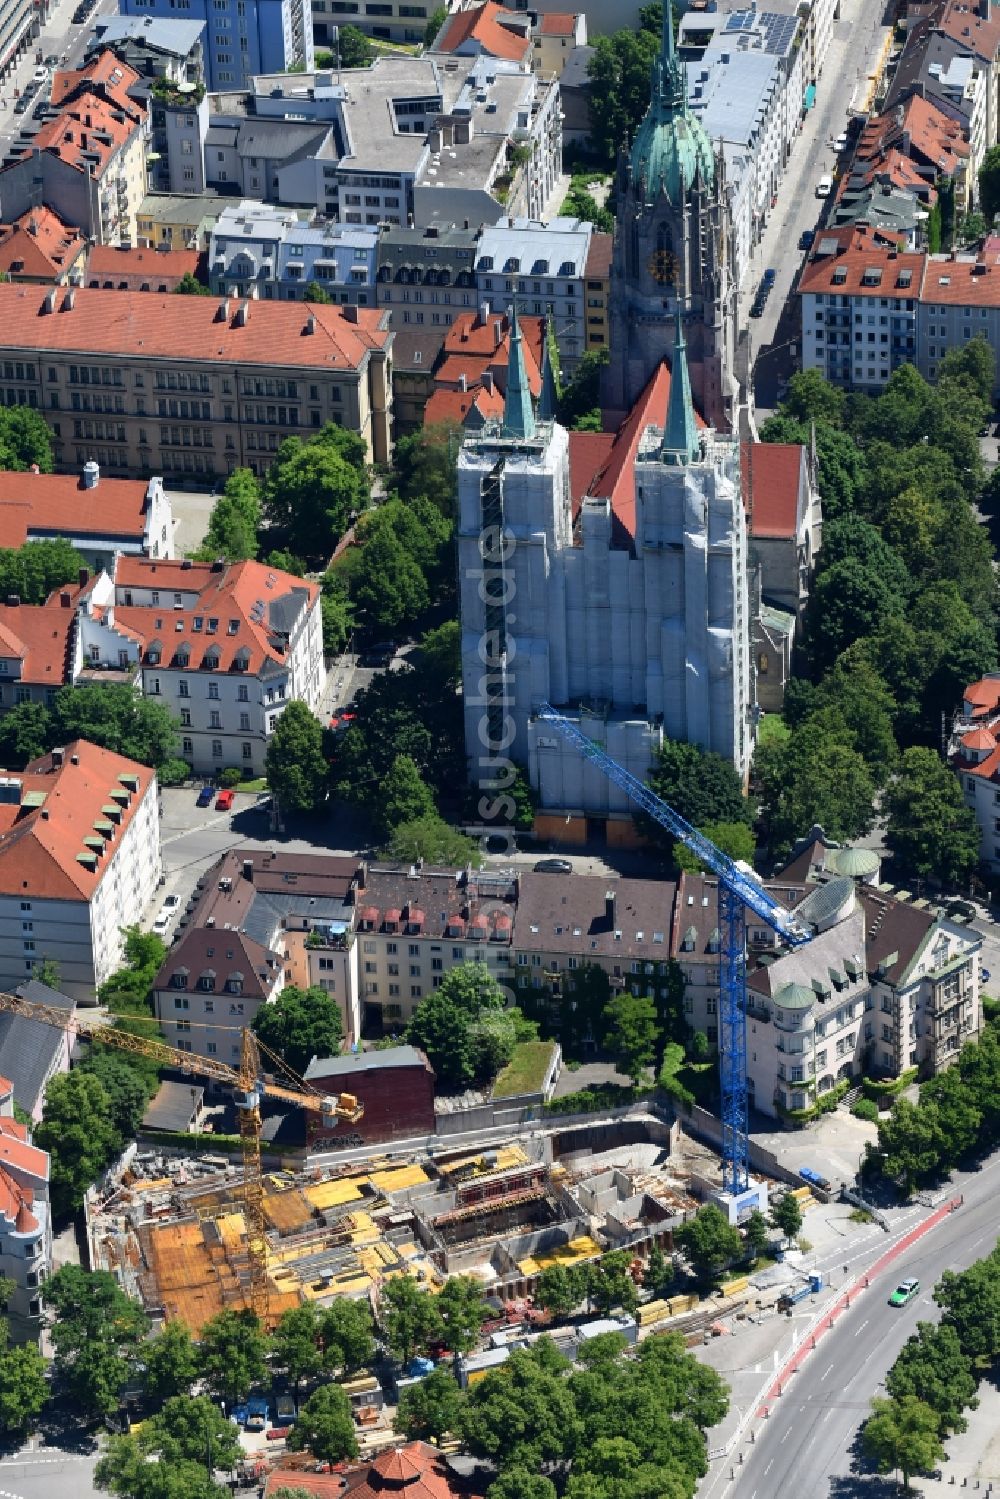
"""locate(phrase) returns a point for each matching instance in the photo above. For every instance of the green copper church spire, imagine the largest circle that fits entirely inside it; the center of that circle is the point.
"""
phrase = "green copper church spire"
(680, 440)
(518, 417)
(671, 147)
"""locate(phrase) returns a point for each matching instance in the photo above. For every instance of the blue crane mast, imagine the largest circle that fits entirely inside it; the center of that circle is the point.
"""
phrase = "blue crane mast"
(738, 889)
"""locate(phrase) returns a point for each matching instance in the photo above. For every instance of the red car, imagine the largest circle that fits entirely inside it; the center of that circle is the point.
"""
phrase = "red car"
(343, 722)
(224, 800)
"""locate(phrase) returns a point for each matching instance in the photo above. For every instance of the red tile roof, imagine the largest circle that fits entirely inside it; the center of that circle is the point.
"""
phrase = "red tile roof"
(974, 32)
(97, 117)
(918, 129)
(41, 637)
(845, 271)
(241, 596)
(154, 326)
(108, 262)
(482, 24)
(39, 245)
(416, 1471)
(17, 1154)
(59, 505)
(773, 476)
(983, 694)
(961, 283)
(557, 23)
(455, 405)
(474, 347)
(39, 845)
(978, 739)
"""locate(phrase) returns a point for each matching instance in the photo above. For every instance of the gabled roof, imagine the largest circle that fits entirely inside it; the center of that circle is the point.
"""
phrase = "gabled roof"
(38, 505)
(482, 24)
(42, 839)
(39, 245)
(164, 326)
(40, 636)
(775, 484)
(29, 1049)
(97, 115)
(254, 608)
(18, 1156)
(895, 932)
(218, 956)
(111, 261)
(557, 23)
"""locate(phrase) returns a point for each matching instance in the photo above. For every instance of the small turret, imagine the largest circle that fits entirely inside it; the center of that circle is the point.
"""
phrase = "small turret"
(680, 439)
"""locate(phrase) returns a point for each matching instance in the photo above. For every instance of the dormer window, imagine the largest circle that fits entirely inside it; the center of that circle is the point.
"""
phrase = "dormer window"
(179, 979)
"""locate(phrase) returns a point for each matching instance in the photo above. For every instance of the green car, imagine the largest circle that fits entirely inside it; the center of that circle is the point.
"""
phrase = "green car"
(904, 1292)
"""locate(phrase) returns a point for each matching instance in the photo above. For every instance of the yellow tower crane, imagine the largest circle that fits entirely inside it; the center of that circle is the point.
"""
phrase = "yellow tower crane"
(251, 1087)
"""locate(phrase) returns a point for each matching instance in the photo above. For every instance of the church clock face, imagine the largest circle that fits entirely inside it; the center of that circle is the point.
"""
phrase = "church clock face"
(662, 266)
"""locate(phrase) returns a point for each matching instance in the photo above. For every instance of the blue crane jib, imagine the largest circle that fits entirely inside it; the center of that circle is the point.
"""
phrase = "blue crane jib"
(739, 888)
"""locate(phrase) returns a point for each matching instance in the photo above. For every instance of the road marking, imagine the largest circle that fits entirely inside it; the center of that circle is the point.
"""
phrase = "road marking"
(827, 1374)
(861, 1328)
(769, 1467)
(826, 1415)
(784, 1439)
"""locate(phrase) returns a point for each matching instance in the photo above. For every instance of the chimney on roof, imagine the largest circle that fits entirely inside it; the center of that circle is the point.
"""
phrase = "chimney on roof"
(488, 381)
(484, 314)
(74, 759)
(58, 755)
(463, 383)
(35, 469)
(350, 313)
(65, 599)
(68, 300)
(49, 301)
(248, 870)
(91, 474)
(82, 577)
(13, 600)
(242, 314)
(609, 908)
(222, 311)
(33, 226)
(310, 324)
(498, 333)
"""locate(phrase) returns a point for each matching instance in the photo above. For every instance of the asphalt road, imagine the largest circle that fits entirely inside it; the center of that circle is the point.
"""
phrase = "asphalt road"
(851, 53)
(807, 1443)
(58, 37)
(45, 1473)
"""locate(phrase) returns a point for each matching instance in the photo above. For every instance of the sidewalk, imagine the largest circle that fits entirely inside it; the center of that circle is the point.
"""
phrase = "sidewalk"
(973, 1457)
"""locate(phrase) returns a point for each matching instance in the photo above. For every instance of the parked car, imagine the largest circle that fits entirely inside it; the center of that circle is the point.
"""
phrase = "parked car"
(806, 238)
(205, 796)
(224, 800)
(824, 186)
(171, 901)
(770, 276)
(904, 1292)
(342, 721)
(553, 866)
(839, 143)
(757, 307)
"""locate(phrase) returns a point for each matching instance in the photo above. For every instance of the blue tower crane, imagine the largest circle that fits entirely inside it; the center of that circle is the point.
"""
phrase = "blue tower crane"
(739, 887)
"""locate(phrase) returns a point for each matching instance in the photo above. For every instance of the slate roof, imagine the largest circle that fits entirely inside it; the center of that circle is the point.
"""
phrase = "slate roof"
(29, 1049)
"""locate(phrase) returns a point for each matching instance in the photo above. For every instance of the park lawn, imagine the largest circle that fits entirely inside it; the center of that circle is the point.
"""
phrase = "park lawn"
(525, 1072)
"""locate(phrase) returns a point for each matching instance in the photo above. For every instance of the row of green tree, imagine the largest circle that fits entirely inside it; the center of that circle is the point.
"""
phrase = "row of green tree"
(115, 717)
(936, 1375)
(957, 1114)
(902, 613)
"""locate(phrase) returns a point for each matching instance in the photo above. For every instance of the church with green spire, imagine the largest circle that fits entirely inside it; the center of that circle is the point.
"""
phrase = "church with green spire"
(672, 252)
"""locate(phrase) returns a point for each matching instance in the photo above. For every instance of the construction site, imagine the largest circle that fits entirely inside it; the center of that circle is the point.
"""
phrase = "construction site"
(172, 1227)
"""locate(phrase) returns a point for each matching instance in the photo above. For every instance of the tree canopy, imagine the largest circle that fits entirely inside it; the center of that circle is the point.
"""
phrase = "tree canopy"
(300, 1025)
(451, 1026)
(295, 765)
(313, 488)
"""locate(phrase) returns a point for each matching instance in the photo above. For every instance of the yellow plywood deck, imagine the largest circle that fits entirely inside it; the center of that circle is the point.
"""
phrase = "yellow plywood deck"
(334, 1194)
(287, 1211)
(506, 1159)
(573, 1253)
(396, 1178)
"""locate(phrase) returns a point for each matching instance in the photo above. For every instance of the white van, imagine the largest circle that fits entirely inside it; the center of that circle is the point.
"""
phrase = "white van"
(824, 186)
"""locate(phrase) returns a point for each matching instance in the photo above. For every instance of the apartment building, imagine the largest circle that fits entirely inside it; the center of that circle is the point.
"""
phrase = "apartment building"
(178, 220)
(79, 861)
(299, 909)
(214, 980)
(115, 268)
(88, 162)
(399, 21)
(867, 309)
(154, 46)
(426, 276)
(555, 37)
(544, 268)
(597, 273)
(25, 1221)
(98, 516)
(142, 382)
(472, 372)
(241, 37)
(486, 30)
(947, 71)
(224, 646)
(414, 925)
(272, 253)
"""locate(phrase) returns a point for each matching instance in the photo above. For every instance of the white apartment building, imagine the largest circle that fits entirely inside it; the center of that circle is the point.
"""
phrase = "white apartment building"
(543, 267)
(975, 758)
(883, 986)
(260, 250)
(225, 646)
(79, 862)
(25, 1221)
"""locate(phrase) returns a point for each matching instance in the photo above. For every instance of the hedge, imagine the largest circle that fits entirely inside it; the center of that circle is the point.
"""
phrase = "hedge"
(877, 1087)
